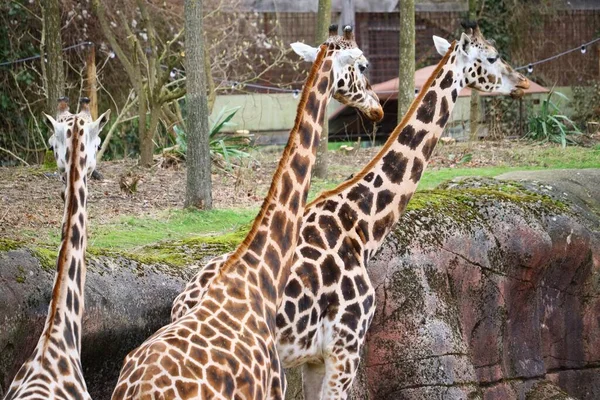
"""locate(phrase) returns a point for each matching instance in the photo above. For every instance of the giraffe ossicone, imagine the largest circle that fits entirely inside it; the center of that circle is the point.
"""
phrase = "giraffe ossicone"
(225, 346)
(53, 370)
(329, 301)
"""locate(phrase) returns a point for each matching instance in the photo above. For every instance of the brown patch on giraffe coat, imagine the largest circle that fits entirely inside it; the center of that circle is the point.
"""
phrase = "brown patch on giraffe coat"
(331, 229)
(272, 259)
(330, 271)
(312, 236)
(293, 288)
(310, 253)
(428, 148)
(444, 113)
(362, 196)
(281, 236)
(447, 81)
(409, 137)
(384, 198)
(426, 111)
(287, 186)
(349, 251)
(290, 310)
(323, 85)
(306, 134)
(300, 166)
(347, 216)
(330, 205)
(382, 226)
(347, 287)
(394, 166)
(417, 170)
(312, 106)
(307, 273)
(378, 181)
(403, 202)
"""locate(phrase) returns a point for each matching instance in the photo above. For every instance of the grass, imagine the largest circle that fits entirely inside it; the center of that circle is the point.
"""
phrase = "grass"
(129, 233)
(184, 229)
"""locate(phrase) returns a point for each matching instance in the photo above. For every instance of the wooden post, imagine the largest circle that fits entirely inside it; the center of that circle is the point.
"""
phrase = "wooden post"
(91, 87)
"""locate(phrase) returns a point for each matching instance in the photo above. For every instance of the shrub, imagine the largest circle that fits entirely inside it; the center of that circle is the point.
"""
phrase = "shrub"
(549, 125)
(228, 146)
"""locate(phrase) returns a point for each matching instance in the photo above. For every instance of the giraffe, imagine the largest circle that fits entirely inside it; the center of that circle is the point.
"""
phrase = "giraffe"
(224, 348)
(53, 371)
(329, 300)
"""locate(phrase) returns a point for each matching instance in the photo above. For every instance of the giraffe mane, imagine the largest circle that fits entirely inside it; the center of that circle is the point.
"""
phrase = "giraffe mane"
(393, 136)
(71, 204)
(310, 81)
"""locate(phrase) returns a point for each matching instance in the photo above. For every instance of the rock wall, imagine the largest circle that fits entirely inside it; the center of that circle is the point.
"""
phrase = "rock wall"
(494, 301)
(485, 290)
(125, 302)
(488, 290)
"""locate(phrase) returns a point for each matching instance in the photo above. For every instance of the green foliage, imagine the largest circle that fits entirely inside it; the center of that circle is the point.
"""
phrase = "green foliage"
(227, 146)
(130, 233)
(586, 103)
(549, 125)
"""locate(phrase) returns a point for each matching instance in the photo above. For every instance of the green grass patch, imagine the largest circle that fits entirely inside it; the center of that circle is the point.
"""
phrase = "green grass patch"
(131, 233)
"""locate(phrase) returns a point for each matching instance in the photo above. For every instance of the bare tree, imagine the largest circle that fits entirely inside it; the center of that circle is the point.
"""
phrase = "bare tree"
(323, 22)
(199, 186)
(148, 69)
(51, 44)
(406, 72)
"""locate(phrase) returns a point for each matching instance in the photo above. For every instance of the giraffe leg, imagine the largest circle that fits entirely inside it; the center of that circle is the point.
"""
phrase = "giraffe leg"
(340, 370)
(312, 380)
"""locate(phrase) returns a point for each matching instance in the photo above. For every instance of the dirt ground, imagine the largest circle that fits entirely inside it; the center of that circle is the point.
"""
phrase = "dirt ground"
(30, 202)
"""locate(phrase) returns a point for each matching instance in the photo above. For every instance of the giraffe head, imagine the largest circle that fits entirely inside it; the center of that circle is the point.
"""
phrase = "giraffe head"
(480, 64)
(76, 130)
(350, 85)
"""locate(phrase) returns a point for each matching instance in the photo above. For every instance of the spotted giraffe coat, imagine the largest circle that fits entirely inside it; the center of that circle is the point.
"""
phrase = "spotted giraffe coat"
(225, 346)
(329, 300)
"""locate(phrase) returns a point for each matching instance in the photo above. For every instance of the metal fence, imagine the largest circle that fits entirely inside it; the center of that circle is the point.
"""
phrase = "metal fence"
(378, 36)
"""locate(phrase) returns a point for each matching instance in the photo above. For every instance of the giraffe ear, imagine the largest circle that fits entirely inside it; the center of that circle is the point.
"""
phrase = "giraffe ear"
(103, 120)
(308, 53)
(349, 56)
(465, 42)
(58, 128)
(96, 126)
(441, 45)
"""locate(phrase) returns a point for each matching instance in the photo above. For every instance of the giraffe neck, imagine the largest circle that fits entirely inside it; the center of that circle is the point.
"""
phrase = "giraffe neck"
(66, 306)
(271, 242)
(382, 189)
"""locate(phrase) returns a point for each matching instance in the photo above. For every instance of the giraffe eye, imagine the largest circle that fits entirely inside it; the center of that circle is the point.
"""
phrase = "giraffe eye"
(492, 60)
(362, 67)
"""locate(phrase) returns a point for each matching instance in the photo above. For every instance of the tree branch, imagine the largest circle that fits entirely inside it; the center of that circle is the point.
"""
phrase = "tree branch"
(134, 77)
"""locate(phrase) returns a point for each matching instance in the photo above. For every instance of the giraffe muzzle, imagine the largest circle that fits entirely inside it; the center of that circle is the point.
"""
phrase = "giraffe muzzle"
(375, 114)
(521, 87)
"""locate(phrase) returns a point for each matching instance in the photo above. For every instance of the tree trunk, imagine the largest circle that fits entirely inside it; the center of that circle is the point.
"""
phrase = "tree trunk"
(474, 106)
(145, 135)
(406, 72)
(323, 22)
(199, 185)
(52, 46)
